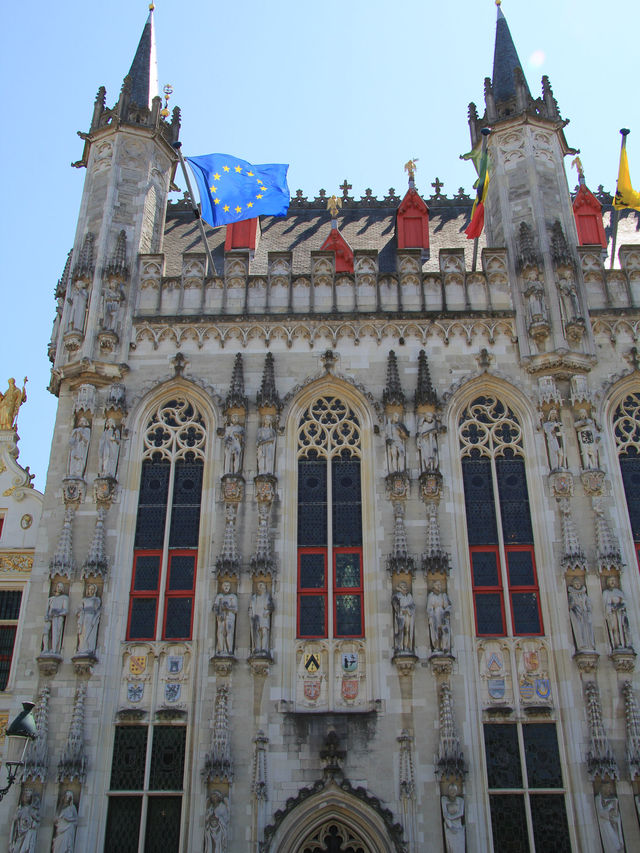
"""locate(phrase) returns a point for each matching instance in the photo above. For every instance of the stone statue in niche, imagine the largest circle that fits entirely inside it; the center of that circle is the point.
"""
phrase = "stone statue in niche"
(534, 290)
(225, 608)
(260, 610)
(109, 450)
(266, 446)
(88, 621)
(79, 449)
(66, 823)
(580, 615)
(216, 824)
(24, 828)
(555, 441)
(569, 295)
(453, 816)
(427, 441)
(112, 298)
(615, 608)
(404, 617)
(54, 621)
(396, 435)
(233, 446)
(588, 441)
(609, 820)
(79, 298)
(439, 616)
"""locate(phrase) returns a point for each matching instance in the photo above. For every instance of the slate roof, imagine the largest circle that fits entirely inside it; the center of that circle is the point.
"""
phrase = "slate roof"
(505, 61)
(368, 224)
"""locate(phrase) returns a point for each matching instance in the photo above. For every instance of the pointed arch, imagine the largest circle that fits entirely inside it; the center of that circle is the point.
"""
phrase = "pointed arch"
(353, 812)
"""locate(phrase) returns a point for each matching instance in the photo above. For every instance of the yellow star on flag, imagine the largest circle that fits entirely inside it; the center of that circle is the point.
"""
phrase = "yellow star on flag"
(250, 174)
(238, 168)
(226, 208)
(250, 204)
(216, 177)
(214, 189)
(225, 168)
(216, 201)
(238, 208)
(259, 195)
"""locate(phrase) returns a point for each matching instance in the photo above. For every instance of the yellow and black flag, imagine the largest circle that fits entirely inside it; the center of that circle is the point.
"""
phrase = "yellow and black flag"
(625, 197)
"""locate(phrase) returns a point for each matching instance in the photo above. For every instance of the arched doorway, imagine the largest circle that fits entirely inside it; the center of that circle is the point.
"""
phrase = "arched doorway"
(334, 818)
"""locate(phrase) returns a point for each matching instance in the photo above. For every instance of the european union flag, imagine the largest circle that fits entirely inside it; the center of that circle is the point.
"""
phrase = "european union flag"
(232, 189)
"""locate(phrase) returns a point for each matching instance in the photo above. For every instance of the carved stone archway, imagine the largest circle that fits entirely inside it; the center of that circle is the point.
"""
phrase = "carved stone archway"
(334, 817)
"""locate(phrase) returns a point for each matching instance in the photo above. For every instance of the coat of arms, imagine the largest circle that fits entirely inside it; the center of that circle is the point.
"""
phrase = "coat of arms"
(134, 692)
(137, 664)
(349, 661)
(312, 690)
(311, 663)
(494, 663)
(527, 690)
(350, 688)
(531, 660)
(543, 688)
(172, 692)
(496, 688)
(174, 664)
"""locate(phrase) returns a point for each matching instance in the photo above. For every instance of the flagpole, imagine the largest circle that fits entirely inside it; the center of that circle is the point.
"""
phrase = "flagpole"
(614, 235)
(485, 141)
(196, 213)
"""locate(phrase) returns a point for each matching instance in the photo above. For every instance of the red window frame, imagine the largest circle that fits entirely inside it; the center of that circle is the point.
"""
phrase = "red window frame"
(154, 595)
(179, 593)
(348, 590)
(479, 589)
(524, 588)
(135, 595)
(314, 591)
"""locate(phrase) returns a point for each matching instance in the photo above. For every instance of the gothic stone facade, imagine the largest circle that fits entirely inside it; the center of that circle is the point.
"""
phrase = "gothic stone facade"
(347, 531)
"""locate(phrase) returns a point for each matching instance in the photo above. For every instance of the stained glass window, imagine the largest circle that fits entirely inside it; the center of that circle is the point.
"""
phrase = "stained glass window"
(523, 766)
(146, 763)
(627, 434)
(330, 579)
(10, 600)
(167, 525)
(498, 521)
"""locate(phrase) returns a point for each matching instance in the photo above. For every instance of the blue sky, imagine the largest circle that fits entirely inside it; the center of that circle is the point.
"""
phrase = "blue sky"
(342, 88)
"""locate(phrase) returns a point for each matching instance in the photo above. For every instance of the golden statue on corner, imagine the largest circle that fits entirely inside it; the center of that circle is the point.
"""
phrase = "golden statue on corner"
(10, 403)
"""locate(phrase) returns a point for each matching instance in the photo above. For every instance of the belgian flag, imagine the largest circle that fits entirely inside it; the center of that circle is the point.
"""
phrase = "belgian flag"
(625, 197)
(474, 228)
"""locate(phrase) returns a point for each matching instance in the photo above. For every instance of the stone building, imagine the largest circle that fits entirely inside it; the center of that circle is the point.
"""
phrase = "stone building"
(346, 517)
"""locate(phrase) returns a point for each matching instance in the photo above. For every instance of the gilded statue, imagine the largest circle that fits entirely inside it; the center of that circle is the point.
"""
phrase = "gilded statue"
(10, 403)
(410, 168)
(333, 205)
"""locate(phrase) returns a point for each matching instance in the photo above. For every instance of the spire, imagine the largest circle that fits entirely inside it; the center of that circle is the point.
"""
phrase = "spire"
(505, 62)
(393, 394)
(424, 390)
(144, 68)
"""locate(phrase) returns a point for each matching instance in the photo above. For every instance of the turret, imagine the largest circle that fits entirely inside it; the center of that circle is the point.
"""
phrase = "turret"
(528, 207)
(130, 164)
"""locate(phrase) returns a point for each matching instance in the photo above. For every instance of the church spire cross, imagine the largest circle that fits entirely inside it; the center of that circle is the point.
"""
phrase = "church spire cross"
(345, 187)
(437, 185)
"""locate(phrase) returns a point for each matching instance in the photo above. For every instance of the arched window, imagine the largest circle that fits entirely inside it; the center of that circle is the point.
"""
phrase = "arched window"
(503, 569)
(168, 523)
(626, 424)
(330, 588)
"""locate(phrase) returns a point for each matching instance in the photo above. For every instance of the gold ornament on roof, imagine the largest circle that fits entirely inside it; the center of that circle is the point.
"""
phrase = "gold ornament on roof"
(168, 91)
(410, 168)
(333, 205)
(577, 162)
(10, 403)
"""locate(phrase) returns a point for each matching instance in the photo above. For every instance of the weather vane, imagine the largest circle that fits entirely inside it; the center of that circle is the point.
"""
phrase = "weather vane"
(168, 91)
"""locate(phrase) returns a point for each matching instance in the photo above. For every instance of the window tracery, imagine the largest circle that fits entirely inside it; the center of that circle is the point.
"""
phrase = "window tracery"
(333, 837)
(498, 521)
(626, 427)
(330, 578)
(168, 523)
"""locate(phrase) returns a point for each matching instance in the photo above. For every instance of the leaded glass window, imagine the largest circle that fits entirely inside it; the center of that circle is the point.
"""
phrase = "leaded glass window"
(526, 794)
(147, 764)
(10, 600)
(627, 433)
(503, 569)
(167, 524)
(330, 571)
